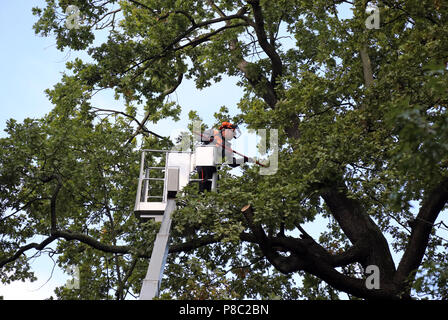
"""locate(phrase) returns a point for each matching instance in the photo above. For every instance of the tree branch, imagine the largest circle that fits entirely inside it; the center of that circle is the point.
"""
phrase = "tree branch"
(311, 257)
(23, 249)
(70, 235)
(184, 34)
(182, 12)
(194, 244)
(106, 23)
(254, 78)
(121, 285)
(422, 226)
(142, 5)
(145, 119)
(360, 229)
(53, 221)
(269, 49)
(366, 66)
(283, 264)
(132, 118)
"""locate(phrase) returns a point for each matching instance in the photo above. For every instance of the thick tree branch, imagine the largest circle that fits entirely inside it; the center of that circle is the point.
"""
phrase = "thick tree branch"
(194, 244)
(269, 49)
(366, 66)
(283, 264)
(90, 241)
(309, 256)
(422, 226)
(351, 285)
(145, 119)
(354, 254)
(360, 229)
(348, 212)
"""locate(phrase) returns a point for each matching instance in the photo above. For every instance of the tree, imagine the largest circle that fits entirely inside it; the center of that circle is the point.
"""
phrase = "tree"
(362, 123)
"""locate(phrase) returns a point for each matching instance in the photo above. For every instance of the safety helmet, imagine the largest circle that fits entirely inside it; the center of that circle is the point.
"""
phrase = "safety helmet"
(228, 125)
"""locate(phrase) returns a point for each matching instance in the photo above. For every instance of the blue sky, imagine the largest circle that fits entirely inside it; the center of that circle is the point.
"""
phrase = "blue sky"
(29, 64)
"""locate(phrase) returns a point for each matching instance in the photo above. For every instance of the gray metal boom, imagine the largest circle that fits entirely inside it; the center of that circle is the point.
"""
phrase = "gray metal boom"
(151, 283)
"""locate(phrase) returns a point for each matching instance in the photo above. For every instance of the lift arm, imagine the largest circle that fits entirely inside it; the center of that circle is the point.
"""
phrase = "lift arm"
(151, 283)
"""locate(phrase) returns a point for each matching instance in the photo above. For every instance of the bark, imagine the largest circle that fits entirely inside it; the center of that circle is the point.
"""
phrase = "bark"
(361, 230)
(307, 255)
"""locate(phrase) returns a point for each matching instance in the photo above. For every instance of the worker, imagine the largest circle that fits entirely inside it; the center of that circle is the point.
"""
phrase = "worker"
(220, 138)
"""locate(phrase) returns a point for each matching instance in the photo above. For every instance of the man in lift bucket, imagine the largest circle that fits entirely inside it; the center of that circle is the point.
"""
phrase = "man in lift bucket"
(221, 139)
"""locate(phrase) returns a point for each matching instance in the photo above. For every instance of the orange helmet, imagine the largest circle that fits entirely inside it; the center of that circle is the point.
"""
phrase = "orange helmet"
(228, 125)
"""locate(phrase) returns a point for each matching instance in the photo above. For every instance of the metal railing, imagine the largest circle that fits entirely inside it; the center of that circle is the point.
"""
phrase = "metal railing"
(144, 189)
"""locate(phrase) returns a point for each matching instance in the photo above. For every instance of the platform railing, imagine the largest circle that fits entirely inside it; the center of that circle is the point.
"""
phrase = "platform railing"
(145, 189)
